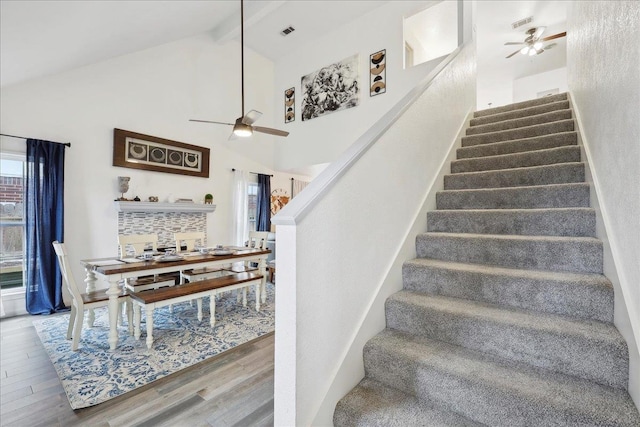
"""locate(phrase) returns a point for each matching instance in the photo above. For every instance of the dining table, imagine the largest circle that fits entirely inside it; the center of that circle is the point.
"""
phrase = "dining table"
(114, 270)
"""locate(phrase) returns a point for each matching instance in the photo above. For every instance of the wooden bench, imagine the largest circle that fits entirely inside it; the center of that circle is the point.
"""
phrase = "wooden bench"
(161, 297)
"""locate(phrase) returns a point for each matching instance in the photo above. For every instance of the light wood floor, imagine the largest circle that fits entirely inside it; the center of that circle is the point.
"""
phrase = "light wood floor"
(232, 389)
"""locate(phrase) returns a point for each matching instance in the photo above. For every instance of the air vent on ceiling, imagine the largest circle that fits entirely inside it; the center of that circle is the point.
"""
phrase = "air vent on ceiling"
(521, 22)
(287, 31)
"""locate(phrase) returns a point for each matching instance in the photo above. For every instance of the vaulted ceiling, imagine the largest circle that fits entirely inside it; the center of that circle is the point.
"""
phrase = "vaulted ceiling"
(39, 38)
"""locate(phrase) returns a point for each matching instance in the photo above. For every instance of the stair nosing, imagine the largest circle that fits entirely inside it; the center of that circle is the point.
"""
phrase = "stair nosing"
(594, 278)
(520, 128)
(520, 153)
(522, 118)
(561, 101)
(557, 324)
(574, 184)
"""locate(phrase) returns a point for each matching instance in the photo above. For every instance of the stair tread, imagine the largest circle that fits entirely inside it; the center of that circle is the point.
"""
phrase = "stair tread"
(591, 278)
(525, 168)
(530, 153)
(519, 122)
(572, 135)
(514, 237)
(565, 125)
(521, 105)
(554, 323)
(522, 112)
(372, 403)
(520, 187)
(517, 380)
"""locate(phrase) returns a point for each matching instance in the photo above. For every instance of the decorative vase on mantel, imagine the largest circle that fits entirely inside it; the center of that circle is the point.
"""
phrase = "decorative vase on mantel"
(208, 199)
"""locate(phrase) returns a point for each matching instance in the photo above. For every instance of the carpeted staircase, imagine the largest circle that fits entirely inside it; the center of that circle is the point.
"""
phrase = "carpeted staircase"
(505, 318)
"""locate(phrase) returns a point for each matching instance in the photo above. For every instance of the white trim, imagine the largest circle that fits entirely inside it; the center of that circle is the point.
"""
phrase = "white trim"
(162, 207)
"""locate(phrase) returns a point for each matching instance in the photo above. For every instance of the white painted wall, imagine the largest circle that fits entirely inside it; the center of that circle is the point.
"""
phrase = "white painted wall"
(323, 139)
(527, 88)
(346, 237)
(603, 73)
(153, 92)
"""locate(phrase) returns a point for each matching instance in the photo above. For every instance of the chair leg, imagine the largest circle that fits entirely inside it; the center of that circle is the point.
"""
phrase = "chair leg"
(199, 304)
(72, 319)
(77, 329)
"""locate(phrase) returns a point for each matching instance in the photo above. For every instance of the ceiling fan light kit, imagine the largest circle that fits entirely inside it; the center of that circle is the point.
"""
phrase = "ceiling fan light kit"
(242, 130)
(533, 43)
(243, 126)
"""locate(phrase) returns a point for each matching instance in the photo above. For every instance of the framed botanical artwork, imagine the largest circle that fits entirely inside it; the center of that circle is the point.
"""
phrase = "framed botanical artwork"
(289, 105)
(138, 151)
(330, 89)
(378, 73)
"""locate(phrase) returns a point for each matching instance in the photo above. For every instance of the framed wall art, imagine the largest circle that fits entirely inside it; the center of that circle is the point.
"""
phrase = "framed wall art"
(289, 105)
(378, 73)
(139, 151)
(330, 89)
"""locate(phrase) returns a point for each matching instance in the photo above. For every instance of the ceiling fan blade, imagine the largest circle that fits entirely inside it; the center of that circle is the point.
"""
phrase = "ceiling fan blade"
(209, 121)
(555, 36)
(538, 32)
(514, 43)
(251, 117)
(513, 53)
(270, 131)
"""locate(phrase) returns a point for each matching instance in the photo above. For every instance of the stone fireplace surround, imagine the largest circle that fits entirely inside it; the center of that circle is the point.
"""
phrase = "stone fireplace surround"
(163, 219)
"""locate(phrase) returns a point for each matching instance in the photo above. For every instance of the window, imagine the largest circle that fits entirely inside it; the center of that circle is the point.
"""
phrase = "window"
(252, 205)
(12, 169)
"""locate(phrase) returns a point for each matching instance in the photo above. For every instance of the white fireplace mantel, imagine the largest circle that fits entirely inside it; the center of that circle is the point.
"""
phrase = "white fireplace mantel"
(163, 207)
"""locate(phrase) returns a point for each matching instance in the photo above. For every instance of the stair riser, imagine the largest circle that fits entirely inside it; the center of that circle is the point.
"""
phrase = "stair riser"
(585, 299)
(525, 112)
(520, 122)
(544, 348)
(518, 160)
(551, 222)
(392, 408)
(521, 105)
(525, 132)
(519, 145)
(555, 254)
(562, 196)
(538, 175)
(467, 396)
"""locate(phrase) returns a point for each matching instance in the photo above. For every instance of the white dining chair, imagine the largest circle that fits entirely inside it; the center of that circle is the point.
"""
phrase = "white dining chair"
(189, 239)
(83, 301)
(136, 244)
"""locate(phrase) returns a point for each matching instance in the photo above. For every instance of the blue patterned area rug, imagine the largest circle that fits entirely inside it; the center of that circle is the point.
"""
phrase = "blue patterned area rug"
(94, 374)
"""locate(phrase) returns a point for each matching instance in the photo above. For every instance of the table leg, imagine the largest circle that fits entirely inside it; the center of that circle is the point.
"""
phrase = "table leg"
(137, 320)
(258, 296)
(199, 304)
(212, 309)
(90, 282)
(149, 313)
(113, 292)
(263, 284)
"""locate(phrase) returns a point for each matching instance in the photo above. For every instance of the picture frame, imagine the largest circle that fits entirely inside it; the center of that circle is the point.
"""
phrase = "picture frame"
(378, 73)
(332, 88)
(139, 151)
(290, 105)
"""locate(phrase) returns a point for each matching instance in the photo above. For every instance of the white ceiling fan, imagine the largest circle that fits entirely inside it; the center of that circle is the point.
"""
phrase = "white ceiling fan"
(534, 45)
(243, 127)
